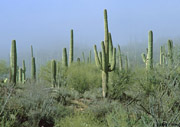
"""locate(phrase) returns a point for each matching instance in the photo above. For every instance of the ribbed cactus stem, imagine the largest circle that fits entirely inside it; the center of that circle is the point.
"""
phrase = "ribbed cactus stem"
(33, 69)
(110, 48)
(53, 73)
(120, 59)
(164, 56)
(20, 75)
(71, 48)
(97, 60)
(150, 51)
(83, 57)
(148, 60)
(100, 57)
(106, 36)
(64, 58)
(13, 62)
(170, 53)
(24, 72)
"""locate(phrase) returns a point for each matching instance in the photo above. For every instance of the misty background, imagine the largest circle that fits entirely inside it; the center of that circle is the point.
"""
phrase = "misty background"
(46, 25)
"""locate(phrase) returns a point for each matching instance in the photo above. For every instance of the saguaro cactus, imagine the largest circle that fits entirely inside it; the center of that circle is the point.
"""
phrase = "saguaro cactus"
(149, 58)
(33, 69)
(104, 64)
(120, 59)
(13, 62)
(24, 72)
(64, 58)
(170, 53)
(71, 49)
(53, 72)
(83, 57)
(20, 75)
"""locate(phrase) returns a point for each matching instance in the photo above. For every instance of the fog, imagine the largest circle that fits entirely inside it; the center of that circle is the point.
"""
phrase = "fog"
(46, 25)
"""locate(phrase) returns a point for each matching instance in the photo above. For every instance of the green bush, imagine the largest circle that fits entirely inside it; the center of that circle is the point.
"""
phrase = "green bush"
(79, 120)
(83, 77)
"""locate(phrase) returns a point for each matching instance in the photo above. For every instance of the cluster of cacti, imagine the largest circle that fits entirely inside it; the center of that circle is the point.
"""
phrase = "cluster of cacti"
(13, 62)
(106, 63)
(148, 59)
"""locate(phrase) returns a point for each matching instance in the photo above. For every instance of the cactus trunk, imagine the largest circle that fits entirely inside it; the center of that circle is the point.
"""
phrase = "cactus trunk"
(64, 58)
(150, 51)
(33, 69)
(13, 62)
(53, 73)
(170, 53)
(71, 49)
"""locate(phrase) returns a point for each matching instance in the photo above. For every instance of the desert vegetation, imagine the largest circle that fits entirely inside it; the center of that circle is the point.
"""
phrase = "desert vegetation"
(102, 90)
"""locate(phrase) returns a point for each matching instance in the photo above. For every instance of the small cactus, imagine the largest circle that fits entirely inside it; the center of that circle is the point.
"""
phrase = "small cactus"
(149, 58)
(33, 69)
(71, 49)
(170, 53)
(13, 62)
(83, 57)
(120, 59)
(24, 72)
(20, 75)
(64, 58)
(53, 73)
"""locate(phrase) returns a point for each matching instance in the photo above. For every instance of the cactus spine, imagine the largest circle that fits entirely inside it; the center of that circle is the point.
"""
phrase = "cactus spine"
(64, 58)
(24, 72)
(149, 58)
(170, 53)
(104, 64)
(71, 49)
(120, 59)
(53, 72)
(13, 62)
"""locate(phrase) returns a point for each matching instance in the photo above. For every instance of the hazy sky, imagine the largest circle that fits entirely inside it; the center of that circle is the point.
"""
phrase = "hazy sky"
(47, 23)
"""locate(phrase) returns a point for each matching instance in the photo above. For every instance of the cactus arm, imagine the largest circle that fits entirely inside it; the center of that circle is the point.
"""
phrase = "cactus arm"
(110, 49)
(143, 57)
(113, 64)
(100, 57)
(98, 64)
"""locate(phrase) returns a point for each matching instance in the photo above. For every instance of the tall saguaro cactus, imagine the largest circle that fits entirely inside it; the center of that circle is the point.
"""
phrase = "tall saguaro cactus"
(64, 58)
(33, 69)
(149, 58)
(53, 72)
(24, 72)
(13, 62)
(71, 48)
(170, 53)
(104, 64)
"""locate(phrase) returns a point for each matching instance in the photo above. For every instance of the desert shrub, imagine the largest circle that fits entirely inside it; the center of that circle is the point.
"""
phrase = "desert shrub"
(33, 105)
(79, 120)
(83, 77)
